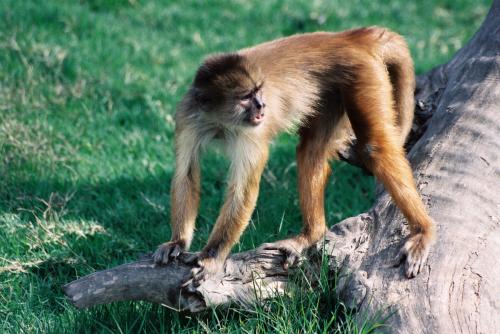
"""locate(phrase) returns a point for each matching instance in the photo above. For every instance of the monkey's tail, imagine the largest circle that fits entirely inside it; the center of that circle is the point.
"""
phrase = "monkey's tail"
(396, 55)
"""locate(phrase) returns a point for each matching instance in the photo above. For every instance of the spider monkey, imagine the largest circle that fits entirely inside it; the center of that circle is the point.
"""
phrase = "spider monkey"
(331, 87)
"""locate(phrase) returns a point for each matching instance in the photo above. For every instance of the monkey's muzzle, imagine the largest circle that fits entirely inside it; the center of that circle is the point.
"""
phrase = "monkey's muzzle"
(255, 117)
(255, 112)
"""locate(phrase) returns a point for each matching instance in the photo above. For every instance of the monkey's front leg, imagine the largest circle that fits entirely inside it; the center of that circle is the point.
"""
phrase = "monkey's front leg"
(185, 198)
(235, 214)
(184, 208)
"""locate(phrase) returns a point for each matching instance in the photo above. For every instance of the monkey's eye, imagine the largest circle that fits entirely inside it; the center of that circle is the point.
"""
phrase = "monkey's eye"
(246, 97)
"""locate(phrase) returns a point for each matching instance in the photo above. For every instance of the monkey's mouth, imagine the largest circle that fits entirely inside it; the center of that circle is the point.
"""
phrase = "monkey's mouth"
(256, 118)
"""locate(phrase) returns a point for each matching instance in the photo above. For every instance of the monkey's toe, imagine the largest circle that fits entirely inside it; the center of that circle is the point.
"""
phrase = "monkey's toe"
(167, 252)
(415, 252)
(205, 268)
(291, 251)
(194, 279)
(413, 266)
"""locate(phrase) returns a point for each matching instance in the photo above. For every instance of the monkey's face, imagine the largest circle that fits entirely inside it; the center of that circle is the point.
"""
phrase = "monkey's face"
(235, 106)
(228, 90)
(251, 106)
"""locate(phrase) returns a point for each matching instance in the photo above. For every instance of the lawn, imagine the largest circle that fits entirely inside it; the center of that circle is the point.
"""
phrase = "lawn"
(87, 95)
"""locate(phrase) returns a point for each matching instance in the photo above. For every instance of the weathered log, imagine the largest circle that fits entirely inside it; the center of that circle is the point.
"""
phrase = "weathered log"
(454, 151)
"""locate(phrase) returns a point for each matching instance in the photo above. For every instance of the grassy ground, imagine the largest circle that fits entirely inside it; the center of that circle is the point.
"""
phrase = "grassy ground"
(87, 93)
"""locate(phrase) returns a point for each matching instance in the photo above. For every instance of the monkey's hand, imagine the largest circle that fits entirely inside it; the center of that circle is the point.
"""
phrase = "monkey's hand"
(205, 267)
(290, 248)
(169, 251)
(415, 252)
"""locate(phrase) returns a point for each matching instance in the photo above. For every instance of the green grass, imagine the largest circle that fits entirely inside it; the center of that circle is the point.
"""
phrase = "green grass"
(87, 93)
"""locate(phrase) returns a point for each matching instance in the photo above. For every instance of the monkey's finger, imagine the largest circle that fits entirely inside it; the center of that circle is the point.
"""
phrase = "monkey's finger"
(194, 280)
(176, 251)
(156, 257)
(190, 276)
(167, 254)
(411, 266)
(410, 270)
(186, 283)
(419, 266)
(401, 257)
(269, 246)
(289, 261)
(277, 247)
(190, 286)
(191, 258)
(198, 278)
(160, 256)
(415, 267)
(293, 259)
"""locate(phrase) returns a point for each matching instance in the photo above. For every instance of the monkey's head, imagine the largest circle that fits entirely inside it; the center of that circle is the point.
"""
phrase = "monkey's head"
(228, 89)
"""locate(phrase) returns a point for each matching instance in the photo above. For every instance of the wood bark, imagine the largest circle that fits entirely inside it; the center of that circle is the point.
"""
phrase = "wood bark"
(454, 150)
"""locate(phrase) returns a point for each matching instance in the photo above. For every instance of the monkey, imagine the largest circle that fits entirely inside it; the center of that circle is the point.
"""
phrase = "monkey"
(328, 87)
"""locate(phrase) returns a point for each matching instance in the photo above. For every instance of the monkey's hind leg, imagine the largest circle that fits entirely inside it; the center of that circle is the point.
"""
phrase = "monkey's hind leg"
(313, 153)
(370, 110)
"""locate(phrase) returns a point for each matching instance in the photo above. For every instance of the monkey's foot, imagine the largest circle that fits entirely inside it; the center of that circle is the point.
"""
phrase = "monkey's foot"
(290, 248)
(415, 252)
(206, 267)
(168, 251)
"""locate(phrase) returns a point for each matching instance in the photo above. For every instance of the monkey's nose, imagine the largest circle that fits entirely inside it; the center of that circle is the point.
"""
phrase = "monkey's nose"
(258, 103)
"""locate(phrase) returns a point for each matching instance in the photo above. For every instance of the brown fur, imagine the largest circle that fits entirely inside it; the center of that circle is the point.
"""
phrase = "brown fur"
(329, 86)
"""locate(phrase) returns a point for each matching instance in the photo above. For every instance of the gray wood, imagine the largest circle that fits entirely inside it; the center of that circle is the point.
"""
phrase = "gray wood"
(454, 152)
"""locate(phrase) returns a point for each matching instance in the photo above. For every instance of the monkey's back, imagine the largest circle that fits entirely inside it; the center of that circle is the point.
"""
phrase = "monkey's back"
(312, 61)
(313, 51)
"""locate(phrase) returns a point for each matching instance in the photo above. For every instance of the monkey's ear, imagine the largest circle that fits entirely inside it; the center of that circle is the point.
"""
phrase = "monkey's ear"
(203, 76)
(201, 96)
